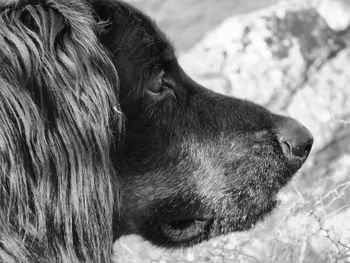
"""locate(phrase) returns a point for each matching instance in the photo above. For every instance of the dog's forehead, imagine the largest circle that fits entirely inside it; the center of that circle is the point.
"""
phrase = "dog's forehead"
(144, 23)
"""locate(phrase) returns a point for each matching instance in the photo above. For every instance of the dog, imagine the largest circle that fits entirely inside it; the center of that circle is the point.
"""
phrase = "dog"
(103, 134)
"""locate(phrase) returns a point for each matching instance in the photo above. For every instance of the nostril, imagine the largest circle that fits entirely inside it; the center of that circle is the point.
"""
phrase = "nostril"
(300, 150)
(294, 138)
(305, 150)
(286, 147)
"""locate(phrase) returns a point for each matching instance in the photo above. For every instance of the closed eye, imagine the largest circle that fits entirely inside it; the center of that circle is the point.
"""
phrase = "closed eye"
(161, 87)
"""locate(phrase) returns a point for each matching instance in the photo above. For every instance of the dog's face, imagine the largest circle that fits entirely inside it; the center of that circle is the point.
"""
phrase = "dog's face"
(194, 164)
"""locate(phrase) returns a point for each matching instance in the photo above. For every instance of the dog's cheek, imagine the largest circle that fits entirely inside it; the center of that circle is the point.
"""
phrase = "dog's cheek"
(142, 190)
(153, 195)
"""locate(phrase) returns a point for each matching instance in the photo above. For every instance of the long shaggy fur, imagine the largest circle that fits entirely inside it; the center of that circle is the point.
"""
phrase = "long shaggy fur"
(57, 92)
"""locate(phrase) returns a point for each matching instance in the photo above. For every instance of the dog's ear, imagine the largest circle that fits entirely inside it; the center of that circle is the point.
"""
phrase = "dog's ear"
(58, 105)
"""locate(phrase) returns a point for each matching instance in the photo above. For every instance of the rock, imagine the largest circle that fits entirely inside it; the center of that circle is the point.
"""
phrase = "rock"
(187, 21)
(336, 13)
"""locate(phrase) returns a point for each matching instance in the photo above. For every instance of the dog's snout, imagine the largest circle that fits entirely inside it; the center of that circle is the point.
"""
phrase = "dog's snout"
(295, 139)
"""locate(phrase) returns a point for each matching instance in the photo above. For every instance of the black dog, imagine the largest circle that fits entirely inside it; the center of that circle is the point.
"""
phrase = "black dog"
(87, 157)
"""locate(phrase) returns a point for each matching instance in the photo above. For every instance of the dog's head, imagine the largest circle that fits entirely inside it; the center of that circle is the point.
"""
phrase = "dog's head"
(194, 164)
(189, 164)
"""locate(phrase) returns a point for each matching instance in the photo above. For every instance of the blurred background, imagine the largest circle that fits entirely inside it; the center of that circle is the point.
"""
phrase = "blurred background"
(293, 57)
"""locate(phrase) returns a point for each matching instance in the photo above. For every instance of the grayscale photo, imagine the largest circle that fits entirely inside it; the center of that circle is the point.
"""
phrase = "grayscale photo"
(174, 131)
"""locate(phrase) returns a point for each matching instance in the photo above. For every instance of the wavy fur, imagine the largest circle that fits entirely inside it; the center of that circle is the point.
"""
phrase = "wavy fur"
(57, 93)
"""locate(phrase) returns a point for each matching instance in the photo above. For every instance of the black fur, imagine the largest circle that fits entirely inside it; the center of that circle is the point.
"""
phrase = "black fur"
(87, 157)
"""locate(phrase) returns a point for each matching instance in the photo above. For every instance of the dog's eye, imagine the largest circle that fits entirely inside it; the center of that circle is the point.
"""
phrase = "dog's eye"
(161, 87)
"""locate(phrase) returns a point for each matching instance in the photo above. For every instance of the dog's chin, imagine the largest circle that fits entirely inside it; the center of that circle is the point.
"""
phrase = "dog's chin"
(188, 231)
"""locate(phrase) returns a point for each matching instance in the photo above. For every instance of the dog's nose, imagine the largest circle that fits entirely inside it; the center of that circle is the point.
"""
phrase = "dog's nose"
(295, 139)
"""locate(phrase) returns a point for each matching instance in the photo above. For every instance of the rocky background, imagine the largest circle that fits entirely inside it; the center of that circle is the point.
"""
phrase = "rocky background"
(294, 58)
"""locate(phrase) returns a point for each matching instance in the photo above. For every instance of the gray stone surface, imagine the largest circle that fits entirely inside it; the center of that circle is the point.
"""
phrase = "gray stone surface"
(336, 13)
(187, 21)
